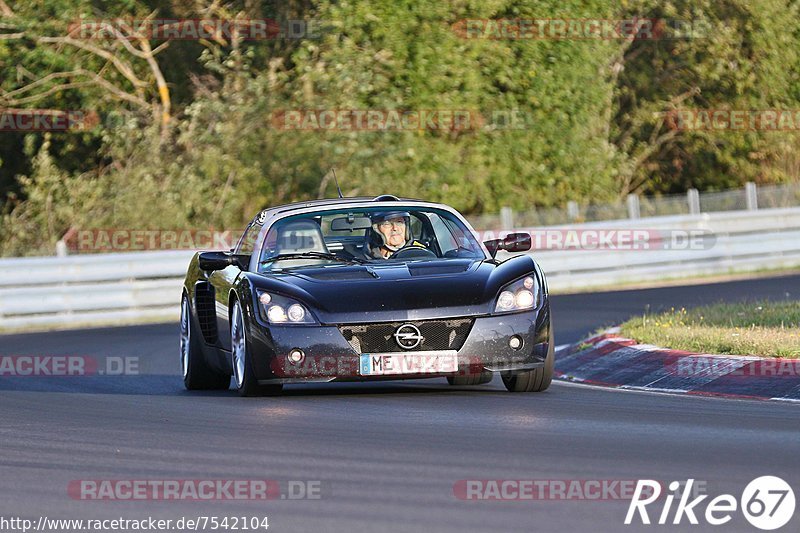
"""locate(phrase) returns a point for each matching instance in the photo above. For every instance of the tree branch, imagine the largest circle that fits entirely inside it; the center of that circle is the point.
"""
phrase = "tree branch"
(41, 81)
(5, 10)
(163, 90)
(52, 90)
(94, 79)
(124, 68)
(148, 55)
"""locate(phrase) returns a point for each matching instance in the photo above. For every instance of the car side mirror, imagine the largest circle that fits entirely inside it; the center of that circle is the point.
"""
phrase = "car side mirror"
(517, 242)
(513, 242)
(212, 261)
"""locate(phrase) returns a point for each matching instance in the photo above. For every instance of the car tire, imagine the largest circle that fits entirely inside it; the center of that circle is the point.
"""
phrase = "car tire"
(244, 377)
(470, 379)
(536, 380)
(197, 375)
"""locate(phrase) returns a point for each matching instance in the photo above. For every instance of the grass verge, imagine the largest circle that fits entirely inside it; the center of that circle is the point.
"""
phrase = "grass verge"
(766, 329)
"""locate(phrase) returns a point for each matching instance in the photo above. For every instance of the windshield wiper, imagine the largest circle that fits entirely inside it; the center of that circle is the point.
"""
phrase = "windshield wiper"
(313, 255)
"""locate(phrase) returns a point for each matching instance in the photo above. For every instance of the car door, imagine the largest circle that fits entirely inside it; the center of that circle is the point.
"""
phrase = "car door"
(223, 280)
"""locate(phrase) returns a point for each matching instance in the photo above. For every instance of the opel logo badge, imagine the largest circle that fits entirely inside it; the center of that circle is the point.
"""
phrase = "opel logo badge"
(408, 336)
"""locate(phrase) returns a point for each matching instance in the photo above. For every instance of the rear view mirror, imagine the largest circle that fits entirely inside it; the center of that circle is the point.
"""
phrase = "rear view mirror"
(350, 223)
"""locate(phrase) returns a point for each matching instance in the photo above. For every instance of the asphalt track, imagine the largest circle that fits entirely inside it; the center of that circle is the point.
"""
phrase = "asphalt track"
(387, 455)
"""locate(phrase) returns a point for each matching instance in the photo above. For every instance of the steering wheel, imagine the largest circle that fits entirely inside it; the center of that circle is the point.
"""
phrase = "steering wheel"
(412, 252)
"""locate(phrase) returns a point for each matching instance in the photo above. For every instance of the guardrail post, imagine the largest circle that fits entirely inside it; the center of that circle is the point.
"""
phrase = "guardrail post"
(572, 211)
(61, 249)
(633, 206)
(751, 196)
(693, 197)
(506, 218)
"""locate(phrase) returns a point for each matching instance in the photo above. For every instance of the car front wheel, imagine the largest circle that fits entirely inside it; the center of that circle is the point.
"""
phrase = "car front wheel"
(536, 380)
(243, 376)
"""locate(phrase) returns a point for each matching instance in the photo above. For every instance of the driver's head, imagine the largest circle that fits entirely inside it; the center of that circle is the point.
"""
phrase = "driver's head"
(394, 232)
(392, 229)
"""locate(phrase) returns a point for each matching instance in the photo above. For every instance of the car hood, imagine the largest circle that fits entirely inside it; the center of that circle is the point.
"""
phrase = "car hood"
(396, 291)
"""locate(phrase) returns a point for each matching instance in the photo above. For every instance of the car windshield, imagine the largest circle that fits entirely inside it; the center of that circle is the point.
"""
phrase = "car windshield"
(371, 235)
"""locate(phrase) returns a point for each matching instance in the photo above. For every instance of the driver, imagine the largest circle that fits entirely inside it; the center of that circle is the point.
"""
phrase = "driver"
(390, 232)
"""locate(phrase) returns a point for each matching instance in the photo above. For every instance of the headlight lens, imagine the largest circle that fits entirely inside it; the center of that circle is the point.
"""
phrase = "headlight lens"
(524, 299)
(505, 302)
(276, 314)
(518, 296)
(296, 313)
(283, 310)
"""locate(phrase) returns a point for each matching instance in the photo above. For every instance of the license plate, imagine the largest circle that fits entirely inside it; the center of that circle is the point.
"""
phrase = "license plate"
(386, 364)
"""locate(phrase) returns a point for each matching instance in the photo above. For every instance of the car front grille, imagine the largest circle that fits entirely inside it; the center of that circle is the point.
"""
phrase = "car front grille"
(448, 334)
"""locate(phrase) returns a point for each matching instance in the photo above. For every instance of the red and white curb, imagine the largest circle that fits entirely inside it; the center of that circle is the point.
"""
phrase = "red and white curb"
(610, 360)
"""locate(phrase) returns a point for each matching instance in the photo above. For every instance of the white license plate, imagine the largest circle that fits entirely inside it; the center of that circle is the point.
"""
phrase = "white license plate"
(385, 364)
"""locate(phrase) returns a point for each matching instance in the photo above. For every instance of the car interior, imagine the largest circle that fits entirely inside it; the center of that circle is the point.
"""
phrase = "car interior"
(347, 235)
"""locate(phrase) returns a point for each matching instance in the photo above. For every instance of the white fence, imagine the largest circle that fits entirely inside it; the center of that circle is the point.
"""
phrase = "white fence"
(693, 202)
(145, 286)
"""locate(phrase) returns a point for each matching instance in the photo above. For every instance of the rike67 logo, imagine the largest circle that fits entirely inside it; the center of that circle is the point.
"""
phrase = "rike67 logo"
(767, 503)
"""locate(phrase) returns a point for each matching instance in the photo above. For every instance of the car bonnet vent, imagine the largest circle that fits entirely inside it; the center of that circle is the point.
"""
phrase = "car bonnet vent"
(386, 198)
(340, 275)
(430, 270)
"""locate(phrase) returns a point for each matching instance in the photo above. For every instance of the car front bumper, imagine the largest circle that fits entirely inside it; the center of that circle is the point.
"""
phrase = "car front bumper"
(328, 356)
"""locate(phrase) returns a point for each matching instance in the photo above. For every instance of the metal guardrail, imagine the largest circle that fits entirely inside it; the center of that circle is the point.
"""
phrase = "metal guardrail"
(117, 288)
(145, 286)
(743, 241)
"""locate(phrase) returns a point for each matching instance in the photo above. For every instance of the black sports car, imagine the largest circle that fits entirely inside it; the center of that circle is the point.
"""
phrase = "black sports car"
(358, 289)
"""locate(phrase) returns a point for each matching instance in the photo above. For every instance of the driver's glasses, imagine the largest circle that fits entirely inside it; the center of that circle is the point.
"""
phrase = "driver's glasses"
(386, 224)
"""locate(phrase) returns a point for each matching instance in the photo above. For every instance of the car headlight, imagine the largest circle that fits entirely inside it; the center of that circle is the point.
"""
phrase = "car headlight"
(518, 296)
(283, 310)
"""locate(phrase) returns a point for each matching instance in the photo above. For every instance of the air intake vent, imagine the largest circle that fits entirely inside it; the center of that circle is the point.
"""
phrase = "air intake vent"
(206, 311)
